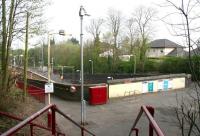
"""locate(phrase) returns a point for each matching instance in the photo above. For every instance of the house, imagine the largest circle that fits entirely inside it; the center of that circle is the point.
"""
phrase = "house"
(106, 53)
(165, 47)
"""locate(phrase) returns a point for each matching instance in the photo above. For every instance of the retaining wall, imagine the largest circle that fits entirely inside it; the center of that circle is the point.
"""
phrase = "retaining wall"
(131, 86)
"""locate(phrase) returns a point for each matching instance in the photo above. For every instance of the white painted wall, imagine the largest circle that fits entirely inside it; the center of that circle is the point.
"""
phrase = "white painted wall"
(168, 50)
(158, 52)
(126, 89)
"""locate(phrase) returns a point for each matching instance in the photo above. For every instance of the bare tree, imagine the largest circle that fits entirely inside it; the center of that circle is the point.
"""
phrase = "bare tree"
(95, 27)
(186, 24)
(13, 26)
(143, 17)
(114, 20)
(132, 35)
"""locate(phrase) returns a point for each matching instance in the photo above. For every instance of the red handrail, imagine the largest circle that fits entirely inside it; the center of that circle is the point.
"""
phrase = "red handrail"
(31, 124)
(14, 129)
(81, 127)
(149, 112)
(29, 120)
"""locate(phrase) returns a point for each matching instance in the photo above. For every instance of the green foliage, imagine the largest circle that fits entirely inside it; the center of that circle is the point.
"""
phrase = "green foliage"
(152, 65)
(174, 65)
(124, 67)
(74, 40)
(67, 54)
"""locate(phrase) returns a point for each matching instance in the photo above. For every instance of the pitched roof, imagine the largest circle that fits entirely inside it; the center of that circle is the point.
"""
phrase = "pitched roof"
(195, 51)
(177, 52)
(164, 43)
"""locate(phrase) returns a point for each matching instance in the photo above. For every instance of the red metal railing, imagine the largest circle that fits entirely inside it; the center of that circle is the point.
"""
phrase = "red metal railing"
(36, 92)
(29, 120)
(153, 126)
(31, 124)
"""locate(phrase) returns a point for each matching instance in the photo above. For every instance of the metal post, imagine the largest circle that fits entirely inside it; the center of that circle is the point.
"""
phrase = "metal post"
(82, 13)
(135, 64)
(62, 70)
(82, 132)
(52, 65)
(49, 66)
(42, 57)
(53, 121)
(151, 110)
(49, 80)
(62, 73)
(14, 61)
(92, 68)
(31, 129)
(81, 71)
(34, 63)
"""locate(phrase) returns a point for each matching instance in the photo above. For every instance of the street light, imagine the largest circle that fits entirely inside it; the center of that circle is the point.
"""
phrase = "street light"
(21, 56)
(92, 65)
(78, 71)
(62, 73)
(61, 32)
(82, 12)
(14, 61)
(135, 59)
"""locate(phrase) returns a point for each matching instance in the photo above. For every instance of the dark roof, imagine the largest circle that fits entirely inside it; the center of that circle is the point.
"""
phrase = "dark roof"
(164, 43)
(177, 52)
(195, 51)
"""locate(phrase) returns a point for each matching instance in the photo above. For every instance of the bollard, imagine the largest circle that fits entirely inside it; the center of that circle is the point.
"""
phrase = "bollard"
(151, 110)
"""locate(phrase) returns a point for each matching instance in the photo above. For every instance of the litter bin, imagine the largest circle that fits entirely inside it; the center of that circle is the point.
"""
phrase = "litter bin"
(98, 95)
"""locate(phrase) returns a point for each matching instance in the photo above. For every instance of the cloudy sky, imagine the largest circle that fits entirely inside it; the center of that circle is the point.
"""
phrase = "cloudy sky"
(63, 14)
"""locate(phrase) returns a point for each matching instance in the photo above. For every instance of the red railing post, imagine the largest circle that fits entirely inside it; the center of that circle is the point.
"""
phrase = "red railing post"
(53, 123)
(151, 110)
(136, 131)
(31, 129)
(82, 131)
(49, 116)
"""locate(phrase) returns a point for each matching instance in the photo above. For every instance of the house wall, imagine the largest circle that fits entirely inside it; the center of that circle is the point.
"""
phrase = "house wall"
(155, 52)
(159, 52)
(168, 50)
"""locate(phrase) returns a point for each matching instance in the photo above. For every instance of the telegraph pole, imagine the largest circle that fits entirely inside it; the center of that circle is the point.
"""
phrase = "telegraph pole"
(26, 56)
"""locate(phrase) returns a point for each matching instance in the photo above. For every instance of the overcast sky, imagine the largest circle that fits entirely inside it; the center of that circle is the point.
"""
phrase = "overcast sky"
(63, 14)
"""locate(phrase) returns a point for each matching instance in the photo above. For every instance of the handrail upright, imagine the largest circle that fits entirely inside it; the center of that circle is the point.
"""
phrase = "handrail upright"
(149, 112)
(29, 120)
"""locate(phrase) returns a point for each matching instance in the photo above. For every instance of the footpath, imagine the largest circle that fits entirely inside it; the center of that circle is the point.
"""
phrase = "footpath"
(117, 116)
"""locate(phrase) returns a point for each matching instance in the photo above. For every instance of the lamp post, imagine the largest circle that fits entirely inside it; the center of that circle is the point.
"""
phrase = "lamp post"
(14, 61)
(79, 72)
(82, 12)
(61, 32)
(21, 62)
(92, 68)
(62, 72)
(135, 64)
(42, 62)
(52, 62)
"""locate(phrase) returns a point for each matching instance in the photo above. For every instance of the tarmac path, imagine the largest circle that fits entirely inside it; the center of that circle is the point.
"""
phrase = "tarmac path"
(117, 116)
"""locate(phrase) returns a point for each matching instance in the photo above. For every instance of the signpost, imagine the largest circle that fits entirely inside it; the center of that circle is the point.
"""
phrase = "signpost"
(49, 89)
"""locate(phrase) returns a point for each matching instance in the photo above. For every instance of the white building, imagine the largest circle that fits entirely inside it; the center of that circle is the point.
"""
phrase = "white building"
(165, 47)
